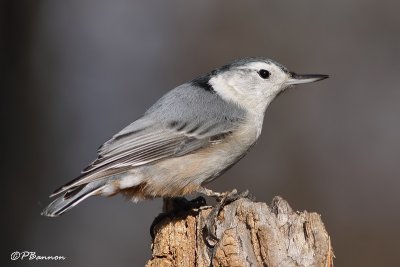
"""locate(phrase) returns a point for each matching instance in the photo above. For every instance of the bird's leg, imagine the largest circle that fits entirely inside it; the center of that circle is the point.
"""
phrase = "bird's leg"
(222, 200)
(176, 207)
(210, 193)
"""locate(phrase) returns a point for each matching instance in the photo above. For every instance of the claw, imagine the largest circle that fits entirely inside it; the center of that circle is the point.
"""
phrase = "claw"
(210, 193)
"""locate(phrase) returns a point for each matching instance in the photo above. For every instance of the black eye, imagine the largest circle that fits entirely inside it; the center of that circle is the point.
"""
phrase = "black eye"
(264, 74)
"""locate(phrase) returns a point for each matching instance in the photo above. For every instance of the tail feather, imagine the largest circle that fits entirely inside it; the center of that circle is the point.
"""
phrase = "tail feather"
(72, 197)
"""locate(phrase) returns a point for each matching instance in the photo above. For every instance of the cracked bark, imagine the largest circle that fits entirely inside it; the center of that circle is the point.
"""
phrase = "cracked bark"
(249, 234)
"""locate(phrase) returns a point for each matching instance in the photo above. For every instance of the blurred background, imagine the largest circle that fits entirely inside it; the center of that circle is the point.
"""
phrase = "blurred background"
(76, 72)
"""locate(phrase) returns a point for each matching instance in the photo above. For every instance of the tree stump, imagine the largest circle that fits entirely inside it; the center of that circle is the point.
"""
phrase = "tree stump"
(249, 234)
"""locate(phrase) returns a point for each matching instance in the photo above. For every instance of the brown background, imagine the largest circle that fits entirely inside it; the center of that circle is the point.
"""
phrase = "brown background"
(75, 72)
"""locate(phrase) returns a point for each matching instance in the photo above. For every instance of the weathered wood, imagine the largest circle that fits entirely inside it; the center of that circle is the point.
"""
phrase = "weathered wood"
(249, 234)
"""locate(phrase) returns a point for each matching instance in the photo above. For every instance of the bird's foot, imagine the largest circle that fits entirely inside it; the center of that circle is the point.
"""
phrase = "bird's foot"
(211, 193)
(176, 207)
(223, 199)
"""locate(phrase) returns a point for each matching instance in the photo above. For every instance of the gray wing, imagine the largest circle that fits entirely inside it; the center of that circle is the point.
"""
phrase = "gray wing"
(186, 119)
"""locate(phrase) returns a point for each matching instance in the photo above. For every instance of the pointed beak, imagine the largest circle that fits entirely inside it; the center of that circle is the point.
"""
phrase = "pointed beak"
(305, 78)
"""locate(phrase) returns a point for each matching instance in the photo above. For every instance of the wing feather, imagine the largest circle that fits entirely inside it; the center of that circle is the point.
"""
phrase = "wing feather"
(164, 131)
(137, 151)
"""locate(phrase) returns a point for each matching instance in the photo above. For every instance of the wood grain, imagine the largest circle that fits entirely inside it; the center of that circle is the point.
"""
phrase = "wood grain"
(249, 234)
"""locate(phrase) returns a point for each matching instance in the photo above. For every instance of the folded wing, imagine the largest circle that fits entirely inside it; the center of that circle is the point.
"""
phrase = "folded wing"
(162, 133)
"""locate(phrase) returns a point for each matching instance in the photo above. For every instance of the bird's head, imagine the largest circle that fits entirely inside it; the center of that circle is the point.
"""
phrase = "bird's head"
(254, 82)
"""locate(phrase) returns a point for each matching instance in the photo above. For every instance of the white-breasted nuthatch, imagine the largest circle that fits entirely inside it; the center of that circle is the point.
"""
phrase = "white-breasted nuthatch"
(187, 138)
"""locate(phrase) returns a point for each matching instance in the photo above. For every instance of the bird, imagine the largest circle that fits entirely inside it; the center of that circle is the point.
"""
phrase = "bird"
(188, 138)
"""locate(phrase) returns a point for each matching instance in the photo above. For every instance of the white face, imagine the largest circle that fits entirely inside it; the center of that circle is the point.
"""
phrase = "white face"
(253, 85)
